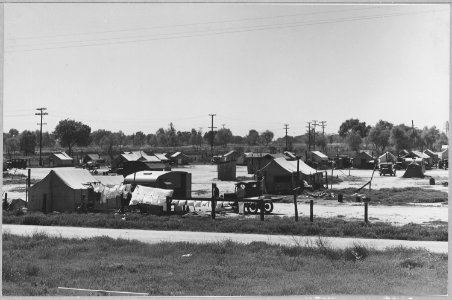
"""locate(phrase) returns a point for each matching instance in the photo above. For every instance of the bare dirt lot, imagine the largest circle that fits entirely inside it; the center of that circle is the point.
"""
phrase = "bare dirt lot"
(204, 175)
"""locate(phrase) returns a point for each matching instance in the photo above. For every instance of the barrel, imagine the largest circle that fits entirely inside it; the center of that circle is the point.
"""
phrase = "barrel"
(340, 198)
(432, 181)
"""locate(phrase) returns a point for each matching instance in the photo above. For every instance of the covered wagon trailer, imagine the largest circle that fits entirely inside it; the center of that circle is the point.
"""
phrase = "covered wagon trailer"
(178, 181)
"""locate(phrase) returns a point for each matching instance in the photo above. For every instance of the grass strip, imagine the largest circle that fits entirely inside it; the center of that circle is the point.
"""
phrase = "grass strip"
(37, 265)
(334, 227)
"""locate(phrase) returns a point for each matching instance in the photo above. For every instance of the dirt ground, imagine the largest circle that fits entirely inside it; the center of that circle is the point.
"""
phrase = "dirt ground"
(204, 175)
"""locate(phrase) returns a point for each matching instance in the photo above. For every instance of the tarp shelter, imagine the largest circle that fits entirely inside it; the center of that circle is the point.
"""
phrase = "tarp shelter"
(443, 155)
(419, 154)
(130, 167)
(387, 157)
(280, 175)
(62, 189)
(403, 152)
(60, 159)
(162, 156)
(414, 170)
(180, 158)
(318, 157)
(133, 156)
(93, 157)
(178, 181)
(290, 155)
(363, 160)
(433, 155)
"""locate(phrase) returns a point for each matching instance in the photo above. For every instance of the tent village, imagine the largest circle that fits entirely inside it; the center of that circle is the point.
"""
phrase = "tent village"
(138, 181)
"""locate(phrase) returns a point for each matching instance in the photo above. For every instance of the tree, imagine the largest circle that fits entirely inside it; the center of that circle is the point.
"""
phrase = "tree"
(442, 140)
(430, 136)
(139, 138)
(161, 137)
(267, 137)
(223, 137)
(11, 145)
(379, 135)
(252, 138)
(208, 137)
(195, 137)
(71, 133)
(27, 142)
(353, 125)
(399, 137)
(321, 142)
(354, 140)
(13, 132)
(98, 135)
(171, 136)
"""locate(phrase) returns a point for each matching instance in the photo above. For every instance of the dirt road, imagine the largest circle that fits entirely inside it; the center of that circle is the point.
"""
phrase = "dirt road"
(154, 236)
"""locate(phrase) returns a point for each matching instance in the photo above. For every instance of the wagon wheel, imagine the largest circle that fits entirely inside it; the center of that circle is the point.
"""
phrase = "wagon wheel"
(268, 207)
(252, 208)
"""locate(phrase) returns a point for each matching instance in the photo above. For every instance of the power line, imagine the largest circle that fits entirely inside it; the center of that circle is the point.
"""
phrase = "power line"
(231, 30)
(187, 24)
(41, 113)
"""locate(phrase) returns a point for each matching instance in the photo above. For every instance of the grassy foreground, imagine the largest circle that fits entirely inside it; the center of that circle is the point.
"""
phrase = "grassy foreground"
(38, 265)
(272, 225)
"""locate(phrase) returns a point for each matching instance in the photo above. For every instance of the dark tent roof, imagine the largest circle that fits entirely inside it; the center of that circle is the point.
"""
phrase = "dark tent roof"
(413, 170)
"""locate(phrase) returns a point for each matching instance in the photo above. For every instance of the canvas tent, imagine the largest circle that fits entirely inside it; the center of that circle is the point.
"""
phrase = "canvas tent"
(387, 157)
(61, 190)
(280, 175)
(414, 170)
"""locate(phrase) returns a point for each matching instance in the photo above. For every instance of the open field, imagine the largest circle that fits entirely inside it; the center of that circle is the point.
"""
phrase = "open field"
(38, 265)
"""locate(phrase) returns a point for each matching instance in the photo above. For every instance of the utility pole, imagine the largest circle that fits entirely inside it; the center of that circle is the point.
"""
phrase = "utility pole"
(309, 136)
(286, 128)
(447, 128)
(323, 125)
(314, 123)
(41, 113)
(211, 134)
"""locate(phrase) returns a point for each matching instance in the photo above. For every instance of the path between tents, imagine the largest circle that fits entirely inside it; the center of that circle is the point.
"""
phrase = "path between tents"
(154, 236)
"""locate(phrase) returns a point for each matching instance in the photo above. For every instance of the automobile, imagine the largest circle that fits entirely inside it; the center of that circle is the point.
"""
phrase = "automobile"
(387, 168)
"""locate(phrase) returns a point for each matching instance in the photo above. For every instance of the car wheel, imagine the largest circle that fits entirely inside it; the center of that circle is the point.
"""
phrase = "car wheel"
(252, 208)
(268, 207)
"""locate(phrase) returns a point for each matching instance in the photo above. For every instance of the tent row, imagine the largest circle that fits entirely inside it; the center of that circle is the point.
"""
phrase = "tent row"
(66, 190)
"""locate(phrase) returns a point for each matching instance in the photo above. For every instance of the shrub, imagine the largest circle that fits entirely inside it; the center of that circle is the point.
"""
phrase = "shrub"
(411, 263)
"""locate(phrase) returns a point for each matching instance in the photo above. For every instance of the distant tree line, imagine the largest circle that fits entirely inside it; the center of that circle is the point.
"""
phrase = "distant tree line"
(352, 133)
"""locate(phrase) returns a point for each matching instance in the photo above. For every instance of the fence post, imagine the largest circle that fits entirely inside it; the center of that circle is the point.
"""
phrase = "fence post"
(311, 210)
(214, 204)
(295, 205)
(326, 179)
(5, 202)
(262, 208)
(168, 205)
(366, 207)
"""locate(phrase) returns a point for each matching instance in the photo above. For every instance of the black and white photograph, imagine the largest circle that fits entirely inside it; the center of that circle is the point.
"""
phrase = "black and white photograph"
(229, 149)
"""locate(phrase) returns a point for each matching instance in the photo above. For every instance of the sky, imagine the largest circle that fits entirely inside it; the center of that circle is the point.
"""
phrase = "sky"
(138, 67)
